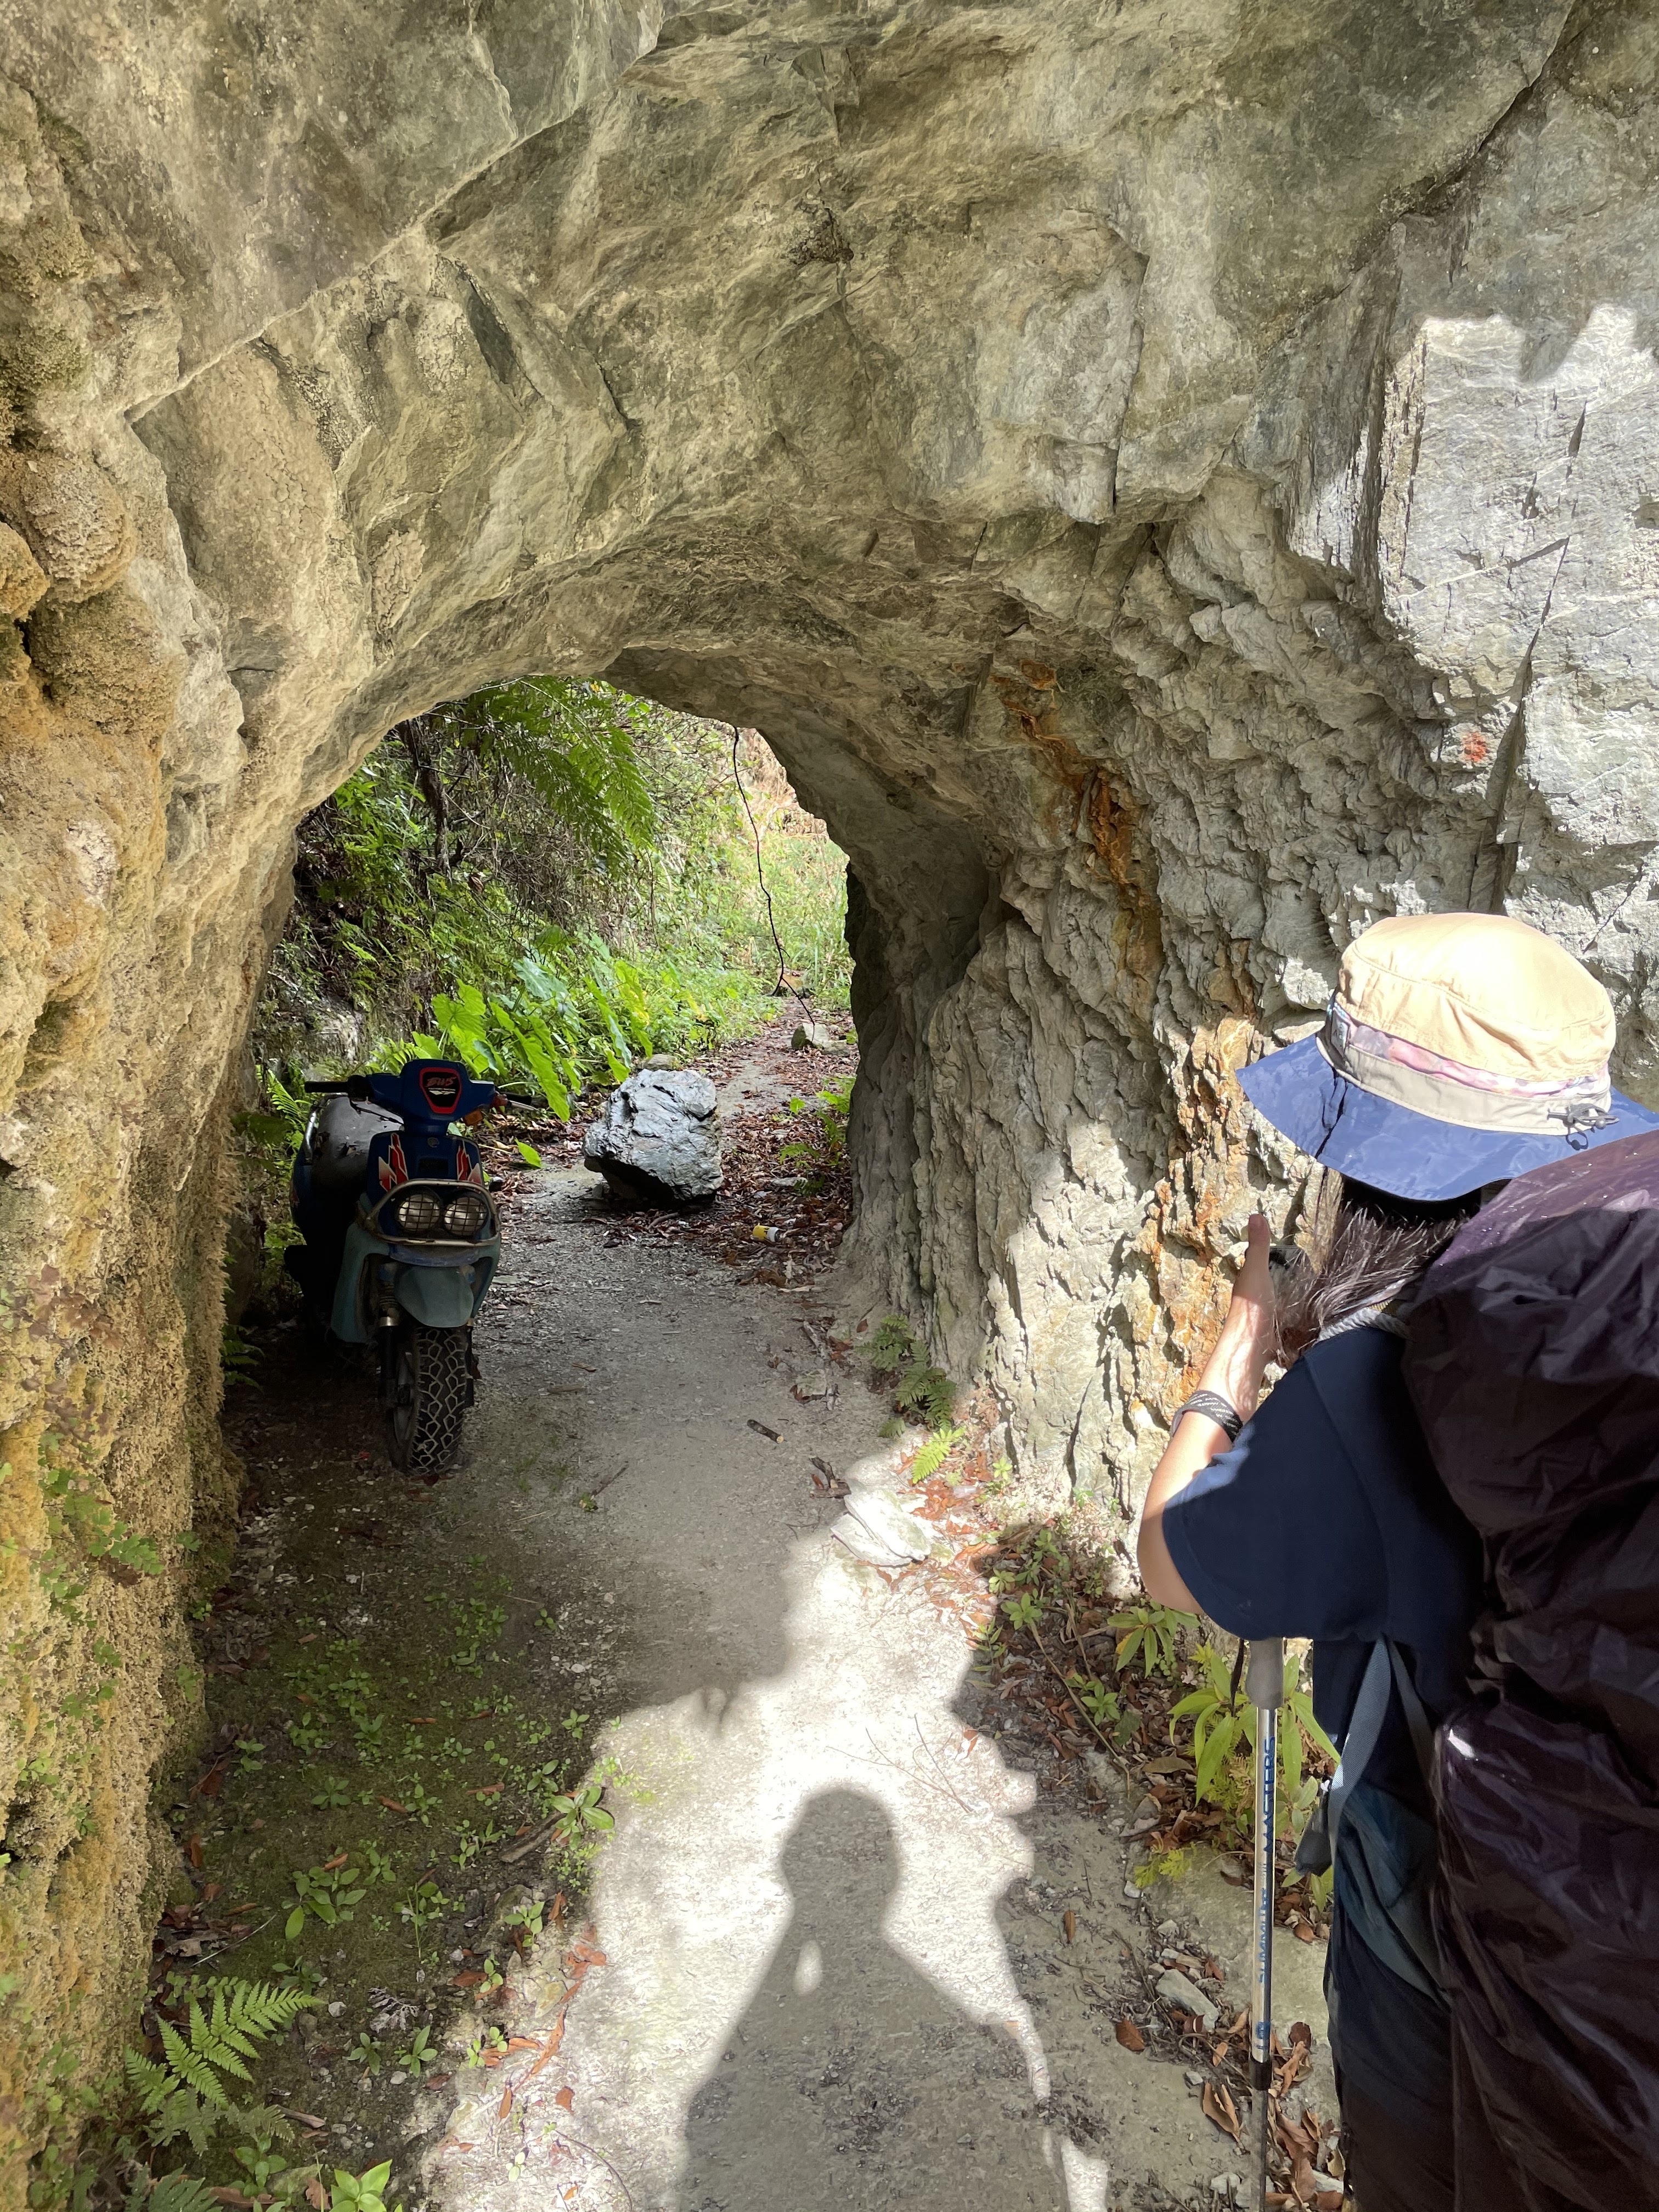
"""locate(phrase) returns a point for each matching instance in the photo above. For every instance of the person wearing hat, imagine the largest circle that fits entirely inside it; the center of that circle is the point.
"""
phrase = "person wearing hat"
(1459, 1051)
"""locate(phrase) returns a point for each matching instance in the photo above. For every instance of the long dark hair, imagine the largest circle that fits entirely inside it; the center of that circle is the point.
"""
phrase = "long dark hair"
(1364, 1248)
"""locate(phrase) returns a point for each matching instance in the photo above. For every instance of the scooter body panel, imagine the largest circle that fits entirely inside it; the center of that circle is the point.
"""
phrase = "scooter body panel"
(441, 1297)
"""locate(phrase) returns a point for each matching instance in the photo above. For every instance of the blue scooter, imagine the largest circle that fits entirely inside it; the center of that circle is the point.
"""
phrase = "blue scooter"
(401, 1241)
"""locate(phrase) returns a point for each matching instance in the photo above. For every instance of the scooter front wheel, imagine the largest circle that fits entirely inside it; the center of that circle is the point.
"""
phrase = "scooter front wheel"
(429, 1391)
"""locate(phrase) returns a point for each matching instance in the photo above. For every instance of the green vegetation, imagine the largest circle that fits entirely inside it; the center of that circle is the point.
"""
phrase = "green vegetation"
(186, 2091)
(555, 880)
(922, 1391)
(1150, 1633)
(1136, 1676)
(1224, 1746)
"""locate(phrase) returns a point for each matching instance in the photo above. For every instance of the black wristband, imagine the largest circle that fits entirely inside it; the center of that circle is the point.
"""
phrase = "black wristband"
(1214, 1407)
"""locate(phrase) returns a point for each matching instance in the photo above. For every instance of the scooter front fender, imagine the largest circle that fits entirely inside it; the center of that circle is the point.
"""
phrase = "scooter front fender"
(436, 1287)
(442, 1297)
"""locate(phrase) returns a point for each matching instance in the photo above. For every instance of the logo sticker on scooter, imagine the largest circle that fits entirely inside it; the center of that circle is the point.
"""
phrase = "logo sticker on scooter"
(441, 1087)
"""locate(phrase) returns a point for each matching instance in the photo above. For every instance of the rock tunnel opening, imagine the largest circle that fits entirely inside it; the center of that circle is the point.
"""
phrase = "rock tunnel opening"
(1152, 573)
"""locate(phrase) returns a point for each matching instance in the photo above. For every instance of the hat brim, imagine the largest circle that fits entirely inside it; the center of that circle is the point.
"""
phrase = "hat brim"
(1395, 1149)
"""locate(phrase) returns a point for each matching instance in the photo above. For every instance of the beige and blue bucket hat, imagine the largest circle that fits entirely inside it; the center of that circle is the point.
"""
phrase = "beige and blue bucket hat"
(1458, 1049)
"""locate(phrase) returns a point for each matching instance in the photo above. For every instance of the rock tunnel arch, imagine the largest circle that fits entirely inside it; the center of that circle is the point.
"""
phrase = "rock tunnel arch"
(1165, 503)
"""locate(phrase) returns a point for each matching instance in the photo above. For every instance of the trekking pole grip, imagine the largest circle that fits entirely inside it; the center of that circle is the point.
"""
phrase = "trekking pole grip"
(1264, 1682)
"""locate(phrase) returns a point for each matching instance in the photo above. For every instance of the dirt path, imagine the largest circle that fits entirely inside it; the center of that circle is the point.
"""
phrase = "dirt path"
(846, 1946)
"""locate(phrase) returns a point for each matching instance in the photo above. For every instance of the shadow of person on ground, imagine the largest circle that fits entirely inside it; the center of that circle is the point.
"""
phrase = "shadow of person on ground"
(850, 2082)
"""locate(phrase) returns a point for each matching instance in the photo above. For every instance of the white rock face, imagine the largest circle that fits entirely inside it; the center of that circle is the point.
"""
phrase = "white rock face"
(658, 1141)
(1172, 487)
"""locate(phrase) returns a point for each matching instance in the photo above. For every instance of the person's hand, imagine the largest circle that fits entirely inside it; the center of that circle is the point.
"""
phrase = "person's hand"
(1246, 1343)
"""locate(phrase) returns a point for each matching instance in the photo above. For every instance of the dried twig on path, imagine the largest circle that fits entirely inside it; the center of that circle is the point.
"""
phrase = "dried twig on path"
(1106, 1743)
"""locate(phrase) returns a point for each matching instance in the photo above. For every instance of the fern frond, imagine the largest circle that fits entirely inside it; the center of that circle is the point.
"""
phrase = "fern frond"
(181, 2192)
(149, 2080)
(260, 2009)
(934, 1453)
(261, 2123)
(188, 2064)
(572, 744)
(928, 1391)
(893, 1345)
(216, 2041)
(183, 2113)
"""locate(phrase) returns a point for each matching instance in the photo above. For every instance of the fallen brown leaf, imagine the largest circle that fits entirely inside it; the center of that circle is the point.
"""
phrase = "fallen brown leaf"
(1219, 2108)
(566, 2099)
(1294, 2066)
(392, 1805)
(307, 2119)
(317, 2196)
(338, 1860)
(506, 2105)
(193, 1850)
(550, 2049)
(1129, 2035)
(1069, 1921)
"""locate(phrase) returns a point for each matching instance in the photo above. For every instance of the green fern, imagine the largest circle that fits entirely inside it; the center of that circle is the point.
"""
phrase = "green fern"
(934, 1453)
(573, 743)
(185, 2092)
(928, 1391)
(893, 1346)
(175, 2192)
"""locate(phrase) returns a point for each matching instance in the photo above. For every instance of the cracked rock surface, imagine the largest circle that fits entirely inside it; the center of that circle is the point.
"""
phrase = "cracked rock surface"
(1171, 487)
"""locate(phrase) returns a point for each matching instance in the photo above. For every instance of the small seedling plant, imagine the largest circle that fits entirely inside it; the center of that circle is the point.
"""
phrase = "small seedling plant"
(425, 1904)
(422, 2055)
(1152, 1634)
(330, 1892)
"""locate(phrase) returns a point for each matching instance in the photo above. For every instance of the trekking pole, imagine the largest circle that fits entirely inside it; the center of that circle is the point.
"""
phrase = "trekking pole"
(1265, 1687)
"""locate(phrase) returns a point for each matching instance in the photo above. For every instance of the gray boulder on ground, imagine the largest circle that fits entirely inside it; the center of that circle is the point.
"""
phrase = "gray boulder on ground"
(658, 1142)
(811, 1037)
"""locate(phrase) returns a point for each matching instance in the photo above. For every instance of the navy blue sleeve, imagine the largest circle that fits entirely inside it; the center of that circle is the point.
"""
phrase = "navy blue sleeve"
(1277, 1536)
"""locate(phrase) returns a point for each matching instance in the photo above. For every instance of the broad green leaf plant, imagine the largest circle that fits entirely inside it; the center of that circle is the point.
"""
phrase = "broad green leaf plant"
(1224, 1742)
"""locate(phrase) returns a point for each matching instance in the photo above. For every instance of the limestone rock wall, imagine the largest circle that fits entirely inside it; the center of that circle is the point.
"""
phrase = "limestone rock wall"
(1172, 486)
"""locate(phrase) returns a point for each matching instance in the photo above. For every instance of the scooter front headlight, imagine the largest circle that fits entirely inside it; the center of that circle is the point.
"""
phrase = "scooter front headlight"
(466, 1215)
(419, 1214)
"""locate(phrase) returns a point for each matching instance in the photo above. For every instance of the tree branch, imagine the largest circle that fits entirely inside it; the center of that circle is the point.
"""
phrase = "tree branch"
(416, 735)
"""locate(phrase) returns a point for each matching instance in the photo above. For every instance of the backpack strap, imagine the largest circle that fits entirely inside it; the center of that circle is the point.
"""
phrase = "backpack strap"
(1370, 1711)
(1384, 1670)
(1416, 1719)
